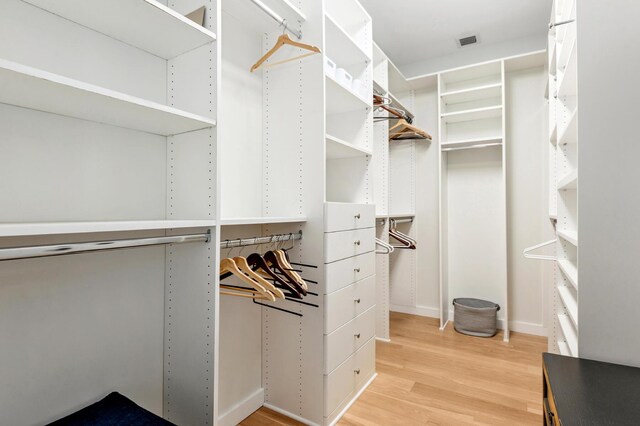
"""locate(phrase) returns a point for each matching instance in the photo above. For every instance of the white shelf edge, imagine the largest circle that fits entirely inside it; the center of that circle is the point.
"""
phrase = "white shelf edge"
(401, 215)
(129, 28)
(93, 94)
(346, 34)
(470, 142)
(571, 122)
(570, 304)
(344, 145)
(368, 104)
(569, 181)
(470, 112)
(569, 236)
(262, 220)
(569, 333)
(564, 348)
(569, 271)
(86, 227)
(471, 90)
(571, 63)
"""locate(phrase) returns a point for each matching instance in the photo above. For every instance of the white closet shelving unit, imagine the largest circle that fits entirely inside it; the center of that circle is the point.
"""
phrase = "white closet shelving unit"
(563, 122)
(95, 154)
(395, 196)
(473, 228)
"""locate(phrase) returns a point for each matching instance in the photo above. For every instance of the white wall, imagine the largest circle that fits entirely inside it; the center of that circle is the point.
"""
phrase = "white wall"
(476, 54)
(527, 203)
(608, 194)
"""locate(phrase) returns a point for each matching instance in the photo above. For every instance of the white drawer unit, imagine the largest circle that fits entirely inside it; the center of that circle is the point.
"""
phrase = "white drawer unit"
(344, 305)
(349, 377)
(343, 342)
(343, 272)
(345, 216)
(344, 244)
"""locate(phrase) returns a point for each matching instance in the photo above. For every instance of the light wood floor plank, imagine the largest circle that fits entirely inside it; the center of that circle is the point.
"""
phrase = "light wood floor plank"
(429, 377)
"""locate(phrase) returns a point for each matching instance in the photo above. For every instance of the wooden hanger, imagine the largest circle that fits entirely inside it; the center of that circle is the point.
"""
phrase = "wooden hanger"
(260, 266)
(243, 265)
(229, 265)
(407, 130)
(283, 40)
(285, 262)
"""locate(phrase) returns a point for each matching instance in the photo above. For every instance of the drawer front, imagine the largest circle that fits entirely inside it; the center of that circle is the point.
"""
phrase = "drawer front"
(344, 305)
(339, 384)
(341, 245)
(365, 363)
(346, 340)
(345, 216)
(347, 271)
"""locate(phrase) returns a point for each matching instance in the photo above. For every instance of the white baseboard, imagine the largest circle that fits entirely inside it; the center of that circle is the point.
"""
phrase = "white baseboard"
(290, 415)
(423, 311)
(355, 398)
(242, 410)
(518, 326)
(382, 339)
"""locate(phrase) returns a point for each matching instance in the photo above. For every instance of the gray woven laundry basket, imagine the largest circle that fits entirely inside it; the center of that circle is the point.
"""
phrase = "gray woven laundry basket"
(475, 317)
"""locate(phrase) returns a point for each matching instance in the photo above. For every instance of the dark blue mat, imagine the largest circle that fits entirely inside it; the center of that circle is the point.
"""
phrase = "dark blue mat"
(114, 410)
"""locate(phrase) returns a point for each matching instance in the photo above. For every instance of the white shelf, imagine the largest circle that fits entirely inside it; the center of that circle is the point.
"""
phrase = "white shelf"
(31, 88)
(569, 333)
(395, 102)
(397, 81)
(568, 236)
(473, 94)
(337, 148)
(341, 48)
(55, 228)
(145, 24)
(569, 181)
(564, 348)
(470, 142)
(379, 88)
(570, 303)
(341, 99)
(570, 131)
(261, 220)
(570, 271)
(567, 83)
(472, 114)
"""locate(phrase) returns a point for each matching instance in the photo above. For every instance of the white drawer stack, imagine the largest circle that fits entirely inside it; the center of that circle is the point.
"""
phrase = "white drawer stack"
(349, 303)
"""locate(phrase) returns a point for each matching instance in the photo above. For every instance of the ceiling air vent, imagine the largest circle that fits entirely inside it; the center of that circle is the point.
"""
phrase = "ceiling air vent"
(466, 41)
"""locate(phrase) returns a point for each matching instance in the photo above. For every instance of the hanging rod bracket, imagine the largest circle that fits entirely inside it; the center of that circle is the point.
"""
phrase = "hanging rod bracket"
(279, 19)
(255, 241)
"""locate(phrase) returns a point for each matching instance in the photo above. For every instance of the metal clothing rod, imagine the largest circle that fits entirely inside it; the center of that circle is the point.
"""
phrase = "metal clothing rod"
(279, 19)
(403, 220)
(472, 147)
(557, 24)
(77, 248)
(243, 242)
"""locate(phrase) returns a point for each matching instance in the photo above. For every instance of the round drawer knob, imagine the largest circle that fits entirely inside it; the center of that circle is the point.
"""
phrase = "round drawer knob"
(357, 216)
(357, 371)
(357, 300)
(356, 270)
(357, 335)
(357, 242)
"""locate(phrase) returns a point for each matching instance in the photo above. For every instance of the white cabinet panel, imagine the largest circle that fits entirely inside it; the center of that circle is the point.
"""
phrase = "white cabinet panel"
(343, 305)
(340, 245)
(347, 271)
(346, 216)
(344, 341)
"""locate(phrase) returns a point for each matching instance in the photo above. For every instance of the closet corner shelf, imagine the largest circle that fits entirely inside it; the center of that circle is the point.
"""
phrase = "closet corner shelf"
(341, 47)
(569, 133)
(337, 148)
(472, 114)
(569, 333)
(570, 303)
(145, 24)
(58, 228)
(467, 143)
(341, 99)
(39, 90)
(569, 236)
(570, 271)
(569, 181)
(473, 93)
(262, 220)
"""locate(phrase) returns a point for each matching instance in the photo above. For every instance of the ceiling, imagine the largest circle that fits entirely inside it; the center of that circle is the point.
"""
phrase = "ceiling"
(411, 31)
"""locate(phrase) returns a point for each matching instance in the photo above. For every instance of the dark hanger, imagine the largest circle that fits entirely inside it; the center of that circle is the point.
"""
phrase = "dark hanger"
(274, 263)
(257, 262)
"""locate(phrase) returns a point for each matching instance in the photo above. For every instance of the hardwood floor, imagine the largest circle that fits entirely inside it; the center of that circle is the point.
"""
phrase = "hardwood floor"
(426, 377)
